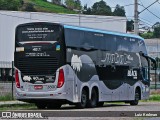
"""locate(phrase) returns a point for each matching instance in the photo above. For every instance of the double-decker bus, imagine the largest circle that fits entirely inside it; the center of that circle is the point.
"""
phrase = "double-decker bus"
(57, 64)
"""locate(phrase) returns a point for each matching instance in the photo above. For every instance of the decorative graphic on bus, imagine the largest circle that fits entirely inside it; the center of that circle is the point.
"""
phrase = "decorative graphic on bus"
(132, 73)
(117, 58)
(58, 47)
(76, 63)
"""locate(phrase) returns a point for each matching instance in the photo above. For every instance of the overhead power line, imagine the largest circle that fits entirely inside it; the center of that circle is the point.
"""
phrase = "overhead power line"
(146, 21)
(146, 8)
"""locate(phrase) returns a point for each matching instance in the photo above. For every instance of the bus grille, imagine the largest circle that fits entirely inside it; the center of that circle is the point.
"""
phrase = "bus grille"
(38, 65)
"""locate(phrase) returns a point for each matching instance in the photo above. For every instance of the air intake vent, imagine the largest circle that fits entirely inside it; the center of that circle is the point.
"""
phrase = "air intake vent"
(38, 65)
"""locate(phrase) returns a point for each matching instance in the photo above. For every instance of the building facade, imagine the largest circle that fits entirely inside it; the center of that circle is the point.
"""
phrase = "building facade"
(10, 19)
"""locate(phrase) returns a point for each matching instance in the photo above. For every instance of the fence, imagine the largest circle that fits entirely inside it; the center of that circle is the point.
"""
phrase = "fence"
(7, 79)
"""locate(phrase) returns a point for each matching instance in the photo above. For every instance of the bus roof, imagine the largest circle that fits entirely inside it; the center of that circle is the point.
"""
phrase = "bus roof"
(103, 31)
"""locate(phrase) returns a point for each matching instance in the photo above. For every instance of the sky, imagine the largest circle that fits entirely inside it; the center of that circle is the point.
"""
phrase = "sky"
(147, 18)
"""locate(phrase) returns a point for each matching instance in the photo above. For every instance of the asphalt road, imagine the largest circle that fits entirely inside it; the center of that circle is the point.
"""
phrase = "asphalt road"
(110, 111)
(142, 106)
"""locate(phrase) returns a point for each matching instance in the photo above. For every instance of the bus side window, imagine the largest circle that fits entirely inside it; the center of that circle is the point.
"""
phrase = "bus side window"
(73, 37)
(99, 41)
(87, 42)
(111, 42)
(123, 44)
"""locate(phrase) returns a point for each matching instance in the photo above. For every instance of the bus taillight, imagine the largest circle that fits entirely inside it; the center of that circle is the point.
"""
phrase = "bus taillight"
(17, 79)
(60, 78)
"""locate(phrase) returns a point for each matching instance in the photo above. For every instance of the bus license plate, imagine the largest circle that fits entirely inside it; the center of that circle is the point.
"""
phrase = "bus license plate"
(38, 87)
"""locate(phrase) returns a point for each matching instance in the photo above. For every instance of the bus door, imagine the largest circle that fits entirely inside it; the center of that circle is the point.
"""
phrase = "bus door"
(146, 63)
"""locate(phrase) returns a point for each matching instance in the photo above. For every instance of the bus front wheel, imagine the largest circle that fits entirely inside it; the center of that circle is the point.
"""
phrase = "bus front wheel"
(137, 96)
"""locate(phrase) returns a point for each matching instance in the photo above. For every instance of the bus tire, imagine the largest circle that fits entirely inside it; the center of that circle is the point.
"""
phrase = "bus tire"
(41, 105)
(100, 104)
(84, 99)
(94, 99)
(137, 96)
(54, 106)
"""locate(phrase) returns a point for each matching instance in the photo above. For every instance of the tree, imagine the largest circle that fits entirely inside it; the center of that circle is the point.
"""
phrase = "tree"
(70, 4)
(29, 7)
(101, 8)
(119, 11)
(10, 4)
(156, 32)
(87, 10)
(147, 35)
(77, 5)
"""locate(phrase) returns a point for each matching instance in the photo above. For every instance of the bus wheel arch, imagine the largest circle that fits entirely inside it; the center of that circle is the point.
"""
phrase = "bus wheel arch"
(84, 98)
(93, 101)
(137, 96)
(139, 90)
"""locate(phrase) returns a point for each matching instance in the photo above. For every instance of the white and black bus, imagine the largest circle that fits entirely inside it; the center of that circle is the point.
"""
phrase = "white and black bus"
(57, 64)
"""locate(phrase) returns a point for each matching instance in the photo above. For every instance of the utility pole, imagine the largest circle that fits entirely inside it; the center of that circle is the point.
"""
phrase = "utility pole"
(136, 14)
(136, 17)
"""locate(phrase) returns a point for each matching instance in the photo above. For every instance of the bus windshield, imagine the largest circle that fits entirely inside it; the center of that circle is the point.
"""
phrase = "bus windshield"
(38, 32)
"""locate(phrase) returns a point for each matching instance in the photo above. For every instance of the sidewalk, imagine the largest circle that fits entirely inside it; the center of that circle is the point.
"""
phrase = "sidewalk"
(11, 102)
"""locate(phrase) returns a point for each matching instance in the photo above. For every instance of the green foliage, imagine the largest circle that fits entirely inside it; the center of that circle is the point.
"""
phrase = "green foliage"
(33, 5)
(157, 32)
(70, 4)
(147, 35)
(87, 10)
(29, 7)
(101, 8)
(42, 6)
(154, 97)
(73, 4)
(78, 4)
(10, 4)
(119, 11)
(58, 2)
(6, 97)
(18, 106)
(156, 28)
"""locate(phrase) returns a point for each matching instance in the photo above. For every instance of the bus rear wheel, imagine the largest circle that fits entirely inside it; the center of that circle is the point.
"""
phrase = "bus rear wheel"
(137, 96)
(94, 99)
(84, 99)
